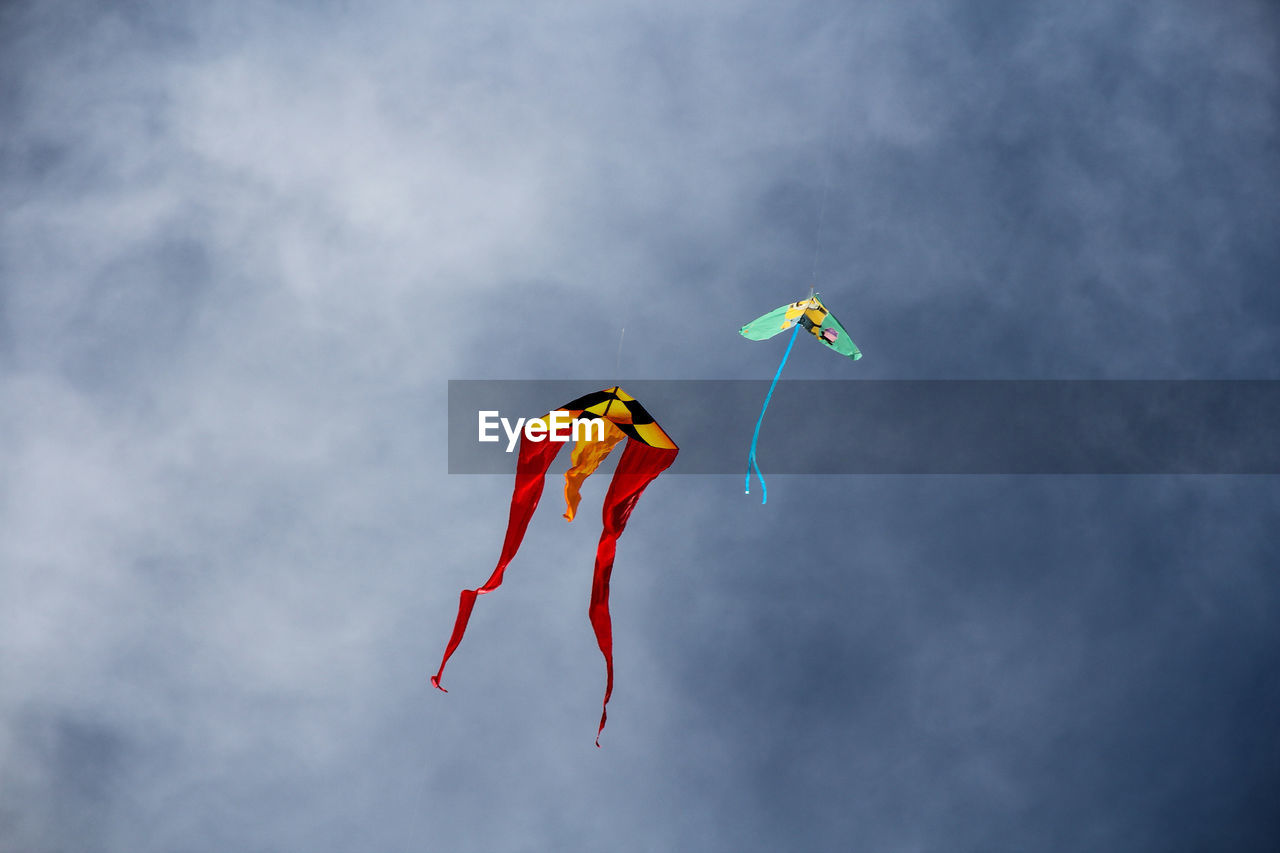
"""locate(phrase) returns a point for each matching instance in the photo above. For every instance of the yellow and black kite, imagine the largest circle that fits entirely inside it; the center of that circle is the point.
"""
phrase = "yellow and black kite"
(648, 453)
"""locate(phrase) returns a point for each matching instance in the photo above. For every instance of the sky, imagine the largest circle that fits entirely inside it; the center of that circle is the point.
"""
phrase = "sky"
(245, 245)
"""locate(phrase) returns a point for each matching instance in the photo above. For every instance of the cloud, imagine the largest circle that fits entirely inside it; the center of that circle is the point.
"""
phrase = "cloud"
(242, 247)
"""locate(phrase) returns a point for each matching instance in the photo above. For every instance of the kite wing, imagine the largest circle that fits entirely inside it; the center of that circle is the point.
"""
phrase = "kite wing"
(833, 336)
(649, 451)
(767, 325)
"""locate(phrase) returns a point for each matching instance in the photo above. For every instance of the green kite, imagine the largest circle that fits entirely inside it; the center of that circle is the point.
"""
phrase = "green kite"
(812, 316)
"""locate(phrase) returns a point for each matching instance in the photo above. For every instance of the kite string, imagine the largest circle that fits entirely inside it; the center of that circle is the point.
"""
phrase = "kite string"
(822, 218)
(617, 364)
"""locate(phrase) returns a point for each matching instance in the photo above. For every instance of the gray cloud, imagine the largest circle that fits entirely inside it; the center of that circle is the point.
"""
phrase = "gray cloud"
(242, 247)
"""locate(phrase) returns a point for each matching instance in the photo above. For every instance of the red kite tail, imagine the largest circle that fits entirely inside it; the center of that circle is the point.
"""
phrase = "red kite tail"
(531, 474)
(638, 467)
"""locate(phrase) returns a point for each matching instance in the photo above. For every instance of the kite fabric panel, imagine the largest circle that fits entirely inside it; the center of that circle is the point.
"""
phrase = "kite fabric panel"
(766, 326)
(649, 451)
(587, 456)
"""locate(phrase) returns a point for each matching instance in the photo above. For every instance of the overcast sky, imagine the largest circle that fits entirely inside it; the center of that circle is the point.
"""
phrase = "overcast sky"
(244, 245)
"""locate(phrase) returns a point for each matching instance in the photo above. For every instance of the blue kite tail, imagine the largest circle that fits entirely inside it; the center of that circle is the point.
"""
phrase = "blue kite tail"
(751, 454)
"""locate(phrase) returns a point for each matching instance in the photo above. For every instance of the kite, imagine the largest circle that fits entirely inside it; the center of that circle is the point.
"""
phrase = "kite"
(649, 451)
(812, 316)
